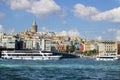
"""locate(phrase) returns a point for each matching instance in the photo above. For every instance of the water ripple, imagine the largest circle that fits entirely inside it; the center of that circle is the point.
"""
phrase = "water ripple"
(65, 69)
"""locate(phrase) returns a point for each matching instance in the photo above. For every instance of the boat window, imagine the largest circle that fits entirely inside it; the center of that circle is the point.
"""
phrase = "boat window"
(106, 57)
(24, 55)
(113, 54)
(3, 54)
(11, 42)
(9, 54)
(45, 54)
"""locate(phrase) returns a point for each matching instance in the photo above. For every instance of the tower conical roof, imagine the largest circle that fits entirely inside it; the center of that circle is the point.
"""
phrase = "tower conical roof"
(34, 23)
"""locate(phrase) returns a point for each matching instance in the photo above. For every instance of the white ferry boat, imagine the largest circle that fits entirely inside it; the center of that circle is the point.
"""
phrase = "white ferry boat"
(107, 57)
(29, 55)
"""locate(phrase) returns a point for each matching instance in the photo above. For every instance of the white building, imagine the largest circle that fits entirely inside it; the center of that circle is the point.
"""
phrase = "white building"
(94, 46)
(46, 44)
(107, 47)
(9, 41)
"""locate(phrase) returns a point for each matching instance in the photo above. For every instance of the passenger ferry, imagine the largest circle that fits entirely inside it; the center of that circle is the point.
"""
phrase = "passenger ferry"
(29, 55)
(107, 57)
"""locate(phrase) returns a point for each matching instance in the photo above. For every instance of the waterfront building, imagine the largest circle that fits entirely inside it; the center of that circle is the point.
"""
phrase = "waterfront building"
(118, 47)
(81, 48)
(107, 46)
(0, 44)
(87, 46)
(94, 46)
(31, 39)
(64, 41)
(61, 47)
(1, 34)
(35, 40)
(60, 42)
(78, 43)
(90, 46)
(51, 34)
(29, 44)
(46, 44)
(54, 46)
(9, 41)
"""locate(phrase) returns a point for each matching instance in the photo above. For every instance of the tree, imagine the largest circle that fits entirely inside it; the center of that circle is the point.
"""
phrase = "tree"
(91, 52)
(70, 48)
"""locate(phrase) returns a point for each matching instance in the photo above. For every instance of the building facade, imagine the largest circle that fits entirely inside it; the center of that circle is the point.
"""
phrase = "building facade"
(118, 47)
(107, 47)
(31, 39)
(90, 45)
(9, 41)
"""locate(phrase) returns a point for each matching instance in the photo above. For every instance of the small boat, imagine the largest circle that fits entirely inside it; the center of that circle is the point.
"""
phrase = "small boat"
(107, 57)
(29, 55)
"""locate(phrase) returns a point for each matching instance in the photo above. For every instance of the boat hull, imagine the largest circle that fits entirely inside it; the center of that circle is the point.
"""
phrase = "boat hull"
(34, 58)
(105, 59)
(30, 56)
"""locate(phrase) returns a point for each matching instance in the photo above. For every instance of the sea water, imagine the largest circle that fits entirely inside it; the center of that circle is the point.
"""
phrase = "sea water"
(64, 69)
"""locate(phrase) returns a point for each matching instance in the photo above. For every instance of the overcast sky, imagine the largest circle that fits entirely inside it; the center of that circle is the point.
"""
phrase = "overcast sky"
(90, 19)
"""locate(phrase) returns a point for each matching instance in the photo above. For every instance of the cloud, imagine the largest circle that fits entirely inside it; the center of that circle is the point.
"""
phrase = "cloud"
(44, 29)
(91, 13)
(44, 7)
(111, 15)
(118, 35)
(115, 32)
(19, 4)
(1, 29)
(36, 7)
(11, 30)
(62, 33)
(82, 11)
(71, 33)
(99, 38)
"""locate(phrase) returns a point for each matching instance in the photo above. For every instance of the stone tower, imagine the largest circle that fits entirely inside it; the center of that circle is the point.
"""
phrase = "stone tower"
(34, 27)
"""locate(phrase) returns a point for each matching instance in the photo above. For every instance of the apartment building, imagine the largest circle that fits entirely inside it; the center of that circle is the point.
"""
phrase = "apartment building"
(9, 41)
(107, 46)
(90, 45)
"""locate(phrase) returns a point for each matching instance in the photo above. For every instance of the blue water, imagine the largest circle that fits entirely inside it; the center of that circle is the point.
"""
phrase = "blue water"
(64, 69)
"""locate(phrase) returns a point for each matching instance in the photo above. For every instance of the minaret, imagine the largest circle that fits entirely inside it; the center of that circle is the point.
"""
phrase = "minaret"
(34, 27)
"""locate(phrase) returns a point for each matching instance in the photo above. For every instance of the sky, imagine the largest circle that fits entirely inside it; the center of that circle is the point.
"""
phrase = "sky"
(89, 19)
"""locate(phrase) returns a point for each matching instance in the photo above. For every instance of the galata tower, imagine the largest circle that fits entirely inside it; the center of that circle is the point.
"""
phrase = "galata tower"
(34, 27)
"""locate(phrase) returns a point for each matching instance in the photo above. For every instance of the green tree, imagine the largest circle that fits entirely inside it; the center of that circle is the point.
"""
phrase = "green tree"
(91, 52)
(70, 48)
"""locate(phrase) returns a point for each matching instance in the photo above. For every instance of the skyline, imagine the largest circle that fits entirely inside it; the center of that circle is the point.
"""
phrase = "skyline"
(90, 19)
